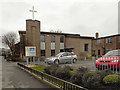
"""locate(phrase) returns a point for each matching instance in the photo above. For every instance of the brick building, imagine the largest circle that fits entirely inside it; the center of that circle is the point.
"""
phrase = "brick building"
(50, 43)
(101, 45)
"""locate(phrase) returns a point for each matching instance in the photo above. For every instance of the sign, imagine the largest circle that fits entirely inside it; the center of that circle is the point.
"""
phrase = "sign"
(30, 51)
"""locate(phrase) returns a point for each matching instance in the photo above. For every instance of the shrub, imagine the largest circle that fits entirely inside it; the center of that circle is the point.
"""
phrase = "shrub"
(60, 72)
(91, 80)
(112, 79)
(82, 70)
(51, 69)
(67, 68)
(103, 74)
(76, 78)
(63, 73)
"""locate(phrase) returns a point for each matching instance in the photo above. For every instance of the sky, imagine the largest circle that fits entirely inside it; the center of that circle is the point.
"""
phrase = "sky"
(84, 17)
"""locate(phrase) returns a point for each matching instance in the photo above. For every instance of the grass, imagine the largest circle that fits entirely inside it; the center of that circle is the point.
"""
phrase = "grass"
(39, 68)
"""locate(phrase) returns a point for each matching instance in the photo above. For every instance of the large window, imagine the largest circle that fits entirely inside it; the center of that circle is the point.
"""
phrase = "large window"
(61, 39)
(108, 40)
(42, 52)
(42, 38)
(86, 47)
(52, 52)
(52, 38)
(42, 42)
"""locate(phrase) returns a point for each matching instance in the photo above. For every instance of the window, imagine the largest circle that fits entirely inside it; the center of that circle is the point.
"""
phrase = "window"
(86, 47)
(65, 54)
(42, 38)
(61, 50)
(52, 52)
(70, 53)
(93, 52)
(52, 38)
(42, 42)
(99, 42)
(108, 40)
(42, 52)
(61, 39)
(99, 52)
(118, 38)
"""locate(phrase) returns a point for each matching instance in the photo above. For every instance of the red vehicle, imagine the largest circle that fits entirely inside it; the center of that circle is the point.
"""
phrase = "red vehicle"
(110, 60)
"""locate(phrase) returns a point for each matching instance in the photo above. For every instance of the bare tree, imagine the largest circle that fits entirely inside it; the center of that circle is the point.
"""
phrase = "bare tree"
(56, 31)
(9, 40)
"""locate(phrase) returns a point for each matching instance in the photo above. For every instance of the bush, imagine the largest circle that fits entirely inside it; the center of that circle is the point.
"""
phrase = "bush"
(66, 67)
(112, 79)
(91, 80)
(51, 69)
(63, 73)
(77, 76)
(60, 72)
(103, 74)
(12, 58)
(82, 70)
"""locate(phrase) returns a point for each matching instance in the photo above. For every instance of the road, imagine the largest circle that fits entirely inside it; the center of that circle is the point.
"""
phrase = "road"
(14, 77)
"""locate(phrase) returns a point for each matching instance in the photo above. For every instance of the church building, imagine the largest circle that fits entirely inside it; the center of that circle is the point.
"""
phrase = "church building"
(51, 43)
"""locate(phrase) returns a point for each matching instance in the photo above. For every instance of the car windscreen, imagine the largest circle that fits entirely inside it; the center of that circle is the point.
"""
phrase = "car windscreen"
(59, 54)
(113, 53)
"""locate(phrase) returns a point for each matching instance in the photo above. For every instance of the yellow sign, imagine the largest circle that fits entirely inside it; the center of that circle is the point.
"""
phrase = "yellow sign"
(30, 51)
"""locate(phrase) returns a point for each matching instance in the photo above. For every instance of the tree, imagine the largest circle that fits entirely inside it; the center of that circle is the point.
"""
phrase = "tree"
(56, 31)
(9, 39)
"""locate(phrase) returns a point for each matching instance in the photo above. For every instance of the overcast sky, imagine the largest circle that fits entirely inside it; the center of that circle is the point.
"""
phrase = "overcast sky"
(84, 17)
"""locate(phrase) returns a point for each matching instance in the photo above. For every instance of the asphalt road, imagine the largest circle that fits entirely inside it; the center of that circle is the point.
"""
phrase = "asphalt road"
(14, 77)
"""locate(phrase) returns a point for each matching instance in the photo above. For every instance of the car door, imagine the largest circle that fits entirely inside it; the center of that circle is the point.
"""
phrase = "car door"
(70, 56)
(64, 58)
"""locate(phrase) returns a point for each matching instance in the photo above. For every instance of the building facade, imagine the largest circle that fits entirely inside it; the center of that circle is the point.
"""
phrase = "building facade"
(104, 44)
(50, 43)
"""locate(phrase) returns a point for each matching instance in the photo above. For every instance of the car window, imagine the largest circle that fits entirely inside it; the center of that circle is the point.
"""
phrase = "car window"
(65, 54)
(113, 53)
(70, 53)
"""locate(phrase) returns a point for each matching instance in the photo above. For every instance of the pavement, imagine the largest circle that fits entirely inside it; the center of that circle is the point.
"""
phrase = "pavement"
(14, 77)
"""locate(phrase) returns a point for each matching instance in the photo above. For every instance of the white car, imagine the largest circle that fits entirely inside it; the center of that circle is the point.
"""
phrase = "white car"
(63, 57)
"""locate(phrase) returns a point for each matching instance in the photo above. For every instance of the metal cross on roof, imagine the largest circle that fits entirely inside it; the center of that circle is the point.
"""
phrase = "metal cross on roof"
(32, 12)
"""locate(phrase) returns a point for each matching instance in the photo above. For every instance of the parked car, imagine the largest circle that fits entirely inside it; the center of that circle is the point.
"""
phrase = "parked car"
(110, 60)
(63, 57)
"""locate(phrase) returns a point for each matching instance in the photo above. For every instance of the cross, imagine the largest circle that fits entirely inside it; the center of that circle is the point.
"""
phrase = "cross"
(32, 12)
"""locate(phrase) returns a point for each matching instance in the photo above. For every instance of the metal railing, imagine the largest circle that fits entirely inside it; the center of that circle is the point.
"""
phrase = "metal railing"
(56, 81)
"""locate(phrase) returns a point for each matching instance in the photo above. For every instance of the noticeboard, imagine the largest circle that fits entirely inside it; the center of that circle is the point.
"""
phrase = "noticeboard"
(30, 51)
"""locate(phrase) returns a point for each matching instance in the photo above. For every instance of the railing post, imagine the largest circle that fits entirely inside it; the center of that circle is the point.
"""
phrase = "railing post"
(113, 65)
(116, 64)
(42, 76)
(63, 85)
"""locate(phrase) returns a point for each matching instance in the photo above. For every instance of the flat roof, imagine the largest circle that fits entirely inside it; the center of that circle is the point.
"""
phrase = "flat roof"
(65, 34)
(107, 36)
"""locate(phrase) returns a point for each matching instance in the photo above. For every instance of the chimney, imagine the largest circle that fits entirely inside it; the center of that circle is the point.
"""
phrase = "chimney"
(96, 35)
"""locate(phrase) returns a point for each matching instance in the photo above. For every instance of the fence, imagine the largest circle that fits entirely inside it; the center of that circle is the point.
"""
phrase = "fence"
(111, 63)
(56, 81)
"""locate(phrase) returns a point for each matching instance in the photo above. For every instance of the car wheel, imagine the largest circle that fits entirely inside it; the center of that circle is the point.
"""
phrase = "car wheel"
(56, 62)
(74, 60)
